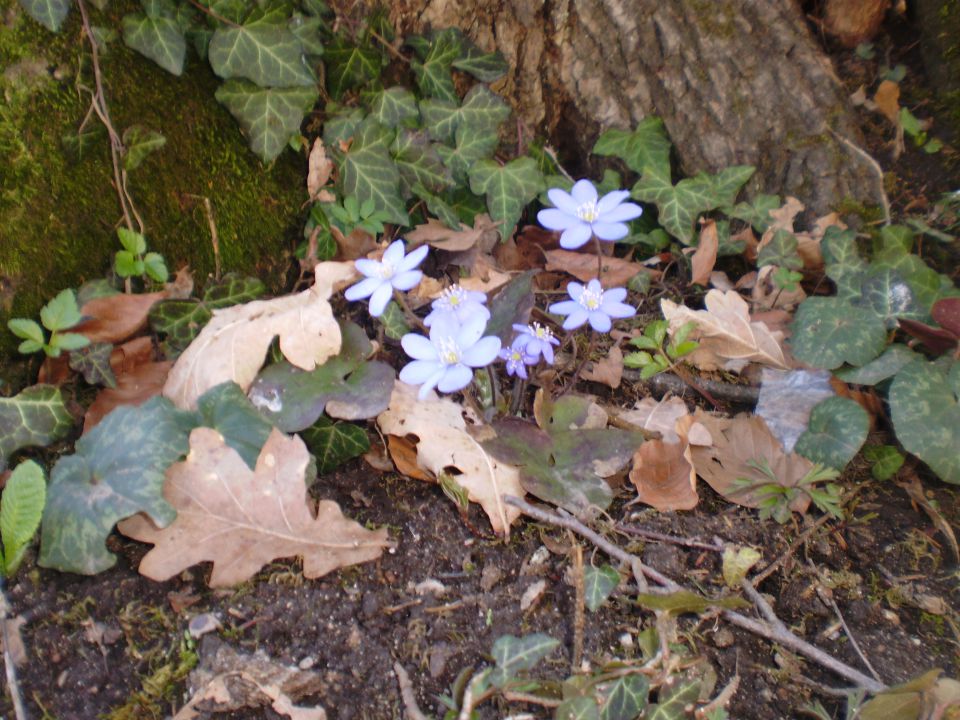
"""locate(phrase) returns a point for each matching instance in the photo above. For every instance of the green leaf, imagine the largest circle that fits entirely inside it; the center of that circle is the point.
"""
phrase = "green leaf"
(578, 708)
(482, 110)
(598, 583)
(349, 66)
(226, 409)
(511, 306)
(419, 163)
(66, 341)
(21, 509)
(842, 260)
(268, 116)
(886, 460)
(646, 147)
(508, 189)
(737, 562)
(27, 330)
(60, 313)
(625, 698)
(687, 601)
(485, 67)
(333, 443)
(470, 146)
(126, 264)
(828, 332)
(679, 205)
(156, 267)
(232, 289)
(156, 38)
(180, 320)
(515, 654)
(437, 206)
(140, 142)
(263, 50)
(890, 362)
(30, 346)
(132, 241)
(93, 362)
(926, 415)
(726, 184)
(117, 471)
(49, 13)
(673, 699)
(563, 467)
(756, 212)
(394, 322)
(780, 251)
(369, 173)
(346, 386)
(885, 293)
(433, 74)
(836, 431)
(394, 106)
(308, 31)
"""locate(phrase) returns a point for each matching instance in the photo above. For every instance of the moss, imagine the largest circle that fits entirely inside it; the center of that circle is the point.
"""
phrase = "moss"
(58, 212)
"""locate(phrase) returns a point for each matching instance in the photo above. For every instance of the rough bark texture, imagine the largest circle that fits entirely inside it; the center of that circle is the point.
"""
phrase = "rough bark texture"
(735, 81)
(939, 22)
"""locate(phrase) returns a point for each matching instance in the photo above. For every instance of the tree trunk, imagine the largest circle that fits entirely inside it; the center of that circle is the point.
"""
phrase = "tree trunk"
(735, 81)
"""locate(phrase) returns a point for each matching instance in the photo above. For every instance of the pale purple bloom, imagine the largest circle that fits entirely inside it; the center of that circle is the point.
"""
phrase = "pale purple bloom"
(393, 270)
(460, 303)
(594, 304)
(581, 215)
(517, 360)
(536, 340)
(447, 359)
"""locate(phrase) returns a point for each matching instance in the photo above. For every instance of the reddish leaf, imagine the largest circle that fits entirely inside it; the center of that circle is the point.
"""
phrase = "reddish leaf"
(133, 388)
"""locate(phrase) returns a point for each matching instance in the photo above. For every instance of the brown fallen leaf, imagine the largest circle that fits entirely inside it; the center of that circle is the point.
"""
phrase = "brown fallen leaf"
(664, 477)
(583, 266)
(134, 387)
(359, 243)
(131, 354)
(887, 100)
(766, 295)
(438, 235)
(443, 442)
(728, 339)
(319, 168)
(484, 277)
(241, 519)
(607, 371)
(705, 256)
(234, 344)
(656, 416)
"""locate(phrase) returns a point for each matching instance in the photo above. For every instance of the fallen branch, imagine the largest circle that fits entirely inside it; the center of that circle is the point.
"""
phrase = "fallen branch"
(407, 695)
(669, 382)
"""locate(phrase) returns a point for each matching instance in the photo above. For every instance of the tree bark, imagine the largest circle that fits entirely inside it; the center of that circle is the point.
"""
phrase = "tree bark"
(735, 81)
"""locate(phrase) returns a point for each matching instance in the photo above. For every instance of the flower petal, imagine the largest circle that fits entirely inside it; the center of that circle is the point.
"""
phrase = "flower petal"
(600, 322)
(613, 295)
(393, 255)
(554, 219)
(406, 280)
(443, 325)
(381, 296)
(562, 200)
(547, 353)
(577, 318)
(362, 289)
(621, 213)
(618, 309)
(583, 192)
(564, 308)
(455, 377)
(431, 383)
(610, 231)
(418, 347)
(593, 286)
(413, 259)
(574, 290)
(476, 296)
(576, 236)
(368, 267)
(482, 353)
(609, 201)
(419, 371)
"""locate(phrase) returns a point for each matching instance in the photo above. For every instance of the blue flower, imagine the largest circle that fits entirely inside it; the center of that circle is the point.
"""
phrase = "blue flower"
(536, 340)
(460, 303)
(393, 270)
(517, 360)
(594, 304)
(447, 359)
(581, 215)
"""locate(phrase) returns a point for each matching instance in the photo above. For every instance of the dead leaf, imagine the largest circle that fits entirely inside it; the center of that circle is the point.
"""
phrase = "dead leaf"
(656, 416)
(736, 441)
(766, 295)
(664, 477)
(444, 443)
(783, 217)
(728, 339)
(404, 454)
(609, 370)
(587, 415)
(583, 266)
(438, 235)
(134, 387)
(318, 173)
(132, 354)
(234, 344)
(16, 650)
(359, 243)
(887, 100)
(705, 256)
(241, 519)
(484, 277)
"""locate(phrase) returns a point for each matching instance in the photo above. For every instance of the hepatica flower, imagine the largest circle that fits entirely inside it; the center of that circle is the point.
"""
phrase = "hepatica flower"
(581, 215)
(446, 360)
(517, 360)
(536, 340)
(593, 304)
(394, 270)
(459, 303)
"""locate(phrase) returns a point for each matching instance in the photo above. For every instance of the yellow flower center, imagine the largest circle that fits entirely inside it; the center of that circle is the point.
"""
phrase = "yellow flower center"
(588, 211)
(448, 351)
(590, 299)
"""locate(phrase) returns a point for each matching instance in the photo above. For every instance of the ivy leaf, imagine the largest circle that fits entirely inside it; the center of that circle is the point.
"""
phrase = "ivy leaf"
(514, 654)
(156, 36)
(232, 289)
(117, 471)
(180, 320)
(24, 496)
(598, 583)
(93, 362)
(577, 708)
(263, 50)
(437, 206)
(346, 386)
(757, 212)
(470, 146)
(836, 431)
(888, 364)
(268, 116)
(226, 409)
(780, 251)
(370, 174)
(394, 107)
(433, 74)
(625, 698)
(349, 66)
(564, 467)
(307, 30)
(647, 146)
(333, 443)
(49, 13)
(482, 110)
(485, 67)
(140, 142)
(673, 699)
(394, 323)
(842, 260)
(926, 415)
(419, 163)
(508, 189)
(341, 125)
(36, 416)
(828, 332)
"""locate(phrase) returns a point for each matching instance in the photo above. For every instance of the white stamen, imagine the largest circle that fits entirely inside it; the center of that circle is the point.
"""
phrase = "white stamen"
(447, 350)
(591, 300)
(386, 270)
(588, 211)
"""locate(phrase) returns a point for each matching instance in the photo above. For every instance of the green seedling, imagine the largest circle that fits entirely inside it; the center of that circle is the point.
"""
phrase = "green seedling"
(58, 315)
(653, 357)
(775, 498)
(134, 260)
(21, 508)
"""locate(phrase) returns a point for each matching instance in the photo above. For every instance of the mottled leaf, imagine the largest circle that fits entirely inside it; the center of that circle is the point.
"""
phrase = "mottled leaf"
(93, 362)
(756, 212)
(647, 146)
(267, 116)
(780, 251)
(180, 320)
(889, 363)
(394, 322)
(21, 509)
(228, 411)
(886, 460)
(828, 332)
(515, 654)
(598, 583)
(679, 205)
(673, 700)
(36, 416)
(888, 296)
(370, 174)
(333, 443)
(508, 188)
(837, 429)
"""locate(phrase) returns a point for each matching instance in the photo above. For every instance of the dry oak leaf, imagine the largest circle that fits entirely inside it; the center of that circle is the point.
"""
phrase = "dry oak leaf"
(443, 442)
(583, 266)
(728, 338)
(241, 519)
(735, 442)
(234, 343)
(705, 255)
(607, 371)
(887, 100)
(438, 235)
(319, 168)
(663, 471)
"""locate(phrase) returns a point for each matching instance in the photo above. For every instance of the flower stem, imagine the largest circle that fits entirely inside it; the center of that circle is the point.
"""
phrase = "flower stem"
(596, 244)
(408, 311)
(519, 385)
(582, 363)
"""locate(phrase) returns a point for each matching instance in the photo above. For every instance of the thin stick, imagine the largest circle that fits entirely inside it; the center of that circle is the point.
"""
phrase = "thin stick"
(407, 694)
(788, 553)
(214, 237)
(579, 603)
(853, 641)
(668, 382)
(408, 311)
(552, 154)
(664, 538)
(874, 165)
(19, 709)
(596, 245)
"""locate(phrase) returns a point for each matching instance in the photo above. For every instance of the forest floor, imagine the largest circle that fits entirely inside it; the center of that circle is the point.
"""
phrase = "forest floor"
(118, 645)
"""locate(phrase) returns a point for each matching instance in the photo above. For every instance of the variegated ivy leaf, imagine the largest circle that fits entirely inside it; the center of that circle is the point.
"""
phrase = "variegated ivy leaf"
(925, 411)
(419, 163)
(394, 107)
(646, 146)
(926, 285)
(836, 431)
(349, 66)
(485, 67)
(268, 116)
(393, 321)
(432, 72)
(307, 29)
(481, 110)
(828, 332)
(472, 144)
(341, 125)
(891, 361)
(780, 251)
(437, 206)
(370, 174)
(577, 708)
(93, 362)
(508, 189)
(515, 654)
(884, 292)
(139, 142)
(49, 13)
(755, 212)
(34, 417)
(263, 50)
(842, 261)
(333, 443)
(156, 35)
(598, 583)
(625, 698)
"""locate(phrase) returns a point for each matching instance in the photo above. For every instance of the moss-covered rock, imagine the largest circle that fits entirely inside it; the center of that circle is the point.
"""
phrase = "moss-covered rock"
(59, 210)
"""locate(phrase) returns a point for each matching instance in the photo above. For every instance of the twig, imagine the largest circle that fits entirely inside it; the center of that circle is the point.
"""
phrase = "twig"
(721, 700)
(514, 696)
(390, 48)
(774, 630)
(407, 694)
(408, 311)
(664, 538)
(875, 166)
(668, 382)
(214, 237)
(853, 641)
(794, 546)
(19, 710)
(578, 607)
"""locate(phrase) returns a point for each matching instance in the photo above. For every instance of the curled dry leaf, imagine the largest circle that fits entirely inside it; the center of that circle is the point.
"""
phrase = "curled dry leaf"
(319, 168)
(887, 100)
(705, 256)
(438, 235)
(727, 336)
(656, 416)
(583, 266)
(234, 343)
(242, 519)
(484, 277)
(439, 431)
(663, 471)
(767, 296)
(608, 370)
